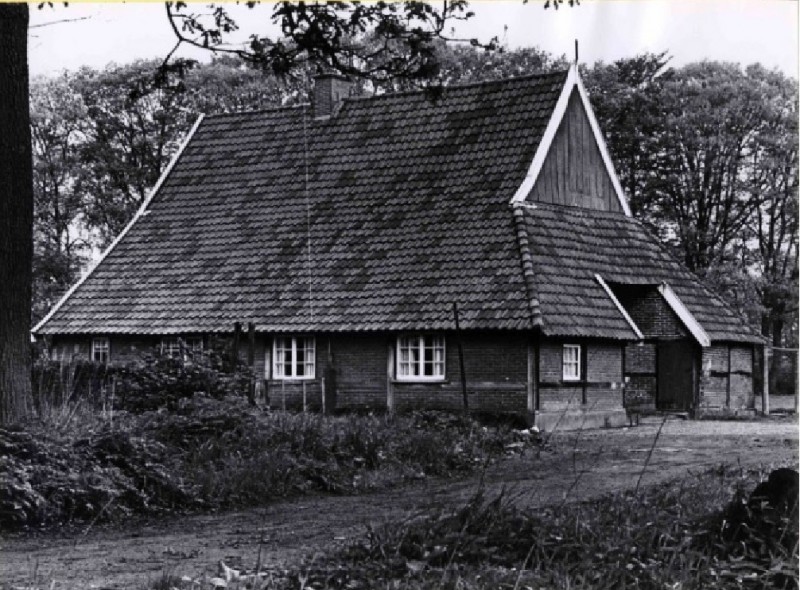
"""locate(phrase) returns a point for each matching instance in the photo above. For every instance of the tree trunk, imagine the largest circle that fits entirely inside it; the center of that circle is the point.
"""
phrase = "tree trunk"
(16, 215)
(775, 361)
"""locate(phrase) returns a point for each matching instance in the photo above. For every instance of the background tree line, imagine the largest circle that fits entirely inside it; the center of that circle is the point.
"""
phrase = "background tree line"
(707, 154)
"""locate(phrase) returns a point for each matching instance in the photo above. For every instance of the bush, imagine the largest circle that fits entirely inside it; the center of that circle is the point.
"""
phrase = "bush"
(222, 453)
(156, 381)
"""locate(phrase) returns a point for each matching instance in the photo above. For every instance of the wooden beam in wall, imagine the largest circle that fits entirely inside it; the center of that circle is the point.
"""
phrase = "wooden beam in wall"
(390, 377)
(531, 384)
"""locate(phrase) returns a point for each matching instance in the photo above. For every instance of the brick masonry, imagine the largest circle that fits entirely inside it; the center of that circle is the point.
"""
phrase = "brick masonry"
(602, 388)
(649, 311)
(496, 369)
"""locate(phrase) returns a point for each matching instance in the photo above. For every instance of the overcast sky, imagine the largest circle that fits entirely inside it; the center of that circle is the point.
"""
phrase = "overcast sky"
(742, 31)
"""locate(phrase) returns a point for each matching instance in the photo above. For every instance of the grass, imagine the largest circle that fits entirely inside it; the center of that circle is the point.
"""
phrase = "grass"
(683, 534)
(82, 466)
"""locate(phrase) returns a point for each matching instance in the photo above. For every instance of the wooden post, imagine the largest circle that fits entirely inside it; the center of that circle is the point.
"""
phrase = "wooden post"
(251, 361)
(765, 387)
(531, 383)
(461, 359)
(584, 372)
(795, 368)
(237, 333)
(322, 392)
(728, 382)
(390, 378)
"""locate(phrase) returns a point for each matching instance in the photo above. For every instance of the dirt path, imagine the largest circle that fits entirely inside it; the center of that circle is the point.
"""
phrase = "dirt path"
(583, 465)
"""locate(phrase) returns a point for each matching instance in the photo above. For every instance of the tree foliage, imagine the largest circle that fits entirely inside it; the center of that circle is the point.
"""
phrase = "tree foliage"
(708, 155)
(57, 116)
(376, 41)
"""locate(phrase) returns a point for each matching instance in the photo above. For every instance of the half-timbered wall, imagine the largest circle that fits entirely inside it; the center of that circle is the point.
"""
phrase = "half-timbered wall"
(600, 387)
(726, 383)
(573, 172)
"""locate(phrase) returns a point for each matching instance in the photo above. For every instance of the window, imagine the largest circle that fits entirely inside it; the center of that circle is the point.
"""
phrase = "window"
(54, 354)
(293, 358)
(420, 358)
(571, 368)
(173, 346)
(100, 350)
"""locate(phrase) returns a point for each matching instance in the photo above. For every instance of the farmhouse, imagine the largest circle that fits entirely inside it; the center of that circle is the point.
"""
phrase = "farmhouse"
(346, 230)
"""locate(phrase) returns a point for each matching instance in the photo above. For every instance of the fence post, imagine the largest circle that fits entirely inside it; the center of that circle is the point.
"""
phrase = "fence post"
(237, 333)
(461, 360)
(765, 388)
(251, 360)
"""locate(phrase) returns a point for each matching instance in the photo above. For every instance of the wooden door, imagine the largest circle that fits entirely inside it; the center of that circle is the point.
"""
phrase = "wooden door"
(676, 375)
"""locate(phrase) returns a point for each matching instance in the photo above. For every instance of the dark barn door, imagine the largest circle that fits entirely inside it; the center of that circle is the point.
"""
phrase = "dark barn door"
(675, 375)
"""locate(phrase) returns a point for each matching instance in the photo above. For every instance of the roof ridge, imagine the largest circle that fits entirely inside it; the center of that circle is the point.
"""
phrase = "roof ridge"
(395, 94)
(466, 85)
(259, 111)
(529, 278)
(585, 212)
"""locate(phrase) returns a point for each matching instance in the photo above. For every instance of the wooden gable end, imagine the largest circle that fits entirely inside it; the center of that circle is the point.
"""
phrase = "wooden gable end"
(573, 172)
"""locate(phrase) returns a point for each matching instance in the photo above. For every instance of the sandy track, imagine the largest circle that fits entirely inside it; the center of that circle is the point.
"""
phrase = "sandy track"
(586, 464)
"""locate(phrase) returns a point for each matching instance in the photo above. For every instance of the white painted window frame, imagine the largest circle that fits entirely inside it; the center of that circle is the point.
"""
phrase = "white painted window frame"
(279, 344)
(619, 307)
(565, 376)
(417, 342)
(686, 316)
(101, 345)
(171, 346)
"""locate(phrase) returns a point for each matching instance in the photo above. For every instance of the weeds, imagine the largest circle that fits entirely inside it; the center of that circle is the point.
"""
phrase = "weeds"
(674, 535)
(210, 454)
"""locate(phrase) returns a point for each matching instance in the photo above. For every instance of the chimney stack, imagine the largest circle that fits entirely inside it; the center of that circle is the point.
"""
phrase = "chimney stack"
(329, 92)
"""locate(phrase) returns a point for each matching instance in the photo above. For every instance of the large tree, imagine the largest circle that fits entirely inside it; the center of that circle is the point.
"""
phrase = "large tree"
(16, 214)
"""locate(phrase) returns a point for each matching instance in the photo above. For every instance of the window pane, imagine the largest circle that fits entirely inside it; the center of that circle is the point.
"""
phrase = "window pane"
(294, 357)
(421, 355)
(280, 355)
(288, 360)
(309, 356)
(100, 350)
(571, 361)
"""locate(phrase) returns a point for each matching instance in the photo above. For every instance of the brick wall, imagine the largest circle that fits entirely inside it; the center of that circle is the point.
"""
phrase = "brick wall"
(603, 389)
(551, 362)
(649, 311)
(640, 358)
(361, 370)
(603, 363)
(496, 368)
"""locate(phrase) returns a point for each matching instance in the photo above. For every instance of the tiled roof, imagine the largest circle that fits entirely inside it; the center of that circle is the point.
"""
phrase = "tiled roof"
(376, 219)
(406, 208)
(569, 246)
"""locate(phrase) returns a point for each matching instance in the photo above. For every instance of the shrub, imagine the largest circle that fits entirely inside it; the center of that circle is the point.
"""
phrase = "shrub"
(221, 453)
(156, 381)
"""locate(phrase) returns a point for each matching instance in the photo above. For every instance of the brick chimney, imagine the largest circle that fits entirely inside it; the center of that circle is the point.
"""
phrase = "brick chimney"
(329, 92)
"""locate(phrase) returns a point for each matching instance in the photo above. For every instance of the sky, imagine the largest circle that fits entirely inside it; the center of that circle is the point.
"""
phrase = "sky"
(743, 31)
